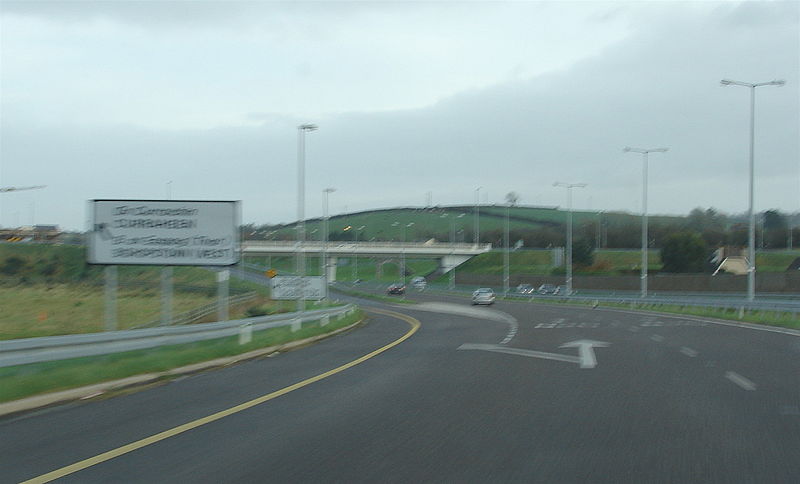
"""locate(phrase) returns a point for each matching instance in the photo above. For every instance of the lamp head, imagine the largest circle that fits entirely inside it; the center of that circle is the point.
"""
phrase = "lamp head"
(308, 127)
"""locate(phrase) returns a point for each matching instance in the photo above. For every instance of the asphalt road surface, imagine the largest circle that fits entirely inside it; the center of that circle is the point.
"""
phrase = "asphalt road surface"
(515, 392)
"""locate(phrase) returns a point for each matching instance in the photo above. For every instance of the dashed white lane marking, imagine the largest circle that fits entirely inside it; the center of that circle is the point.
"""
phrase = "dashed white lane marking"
(790, 410)
(511, 332)
(688, 351)
(561, 324)
(743, 382)
(657, 337)
(634, 329)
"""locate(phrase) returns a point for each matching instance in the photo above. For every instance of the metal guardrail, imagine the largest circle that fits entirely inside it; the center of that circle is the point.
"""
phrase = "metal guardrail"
(187, 317)
(778, 303)
(723, 303)
(52, 348)
(716, 303)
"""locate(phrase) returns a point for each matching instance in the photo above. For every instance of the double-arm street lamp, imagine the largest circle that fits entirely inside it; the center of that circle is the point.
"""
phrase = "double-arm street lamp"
(324, 261)
(645, 153)
(569, 187)
(477, 216)
(403, 252)
(358, 232)
(300, 260)
(751, 239)
(452, 282)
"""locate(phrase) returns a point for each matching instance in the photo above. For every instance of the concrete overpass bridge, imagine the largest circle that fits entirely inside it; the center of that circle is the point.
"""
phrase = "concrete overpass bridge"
(448, 255)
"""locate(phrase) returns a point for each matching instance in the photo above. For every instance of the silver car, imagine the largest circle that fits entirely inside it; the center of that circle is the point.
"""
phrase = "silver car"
(483, 295)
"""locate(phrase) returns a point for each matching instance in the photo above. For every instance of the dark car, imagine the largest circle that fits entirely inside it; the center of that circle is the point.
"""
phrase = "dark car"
(396, 289)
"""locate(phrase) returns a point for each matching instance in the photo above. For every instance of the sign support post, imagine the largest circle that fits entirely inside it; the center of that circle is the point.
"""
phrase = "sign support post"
(111, 298)
(222, 294)
(166, 296)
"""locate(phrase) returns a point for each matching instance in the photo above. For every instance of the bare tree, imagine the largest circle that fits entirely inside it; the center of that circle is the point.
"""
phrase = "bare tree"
(512, 198)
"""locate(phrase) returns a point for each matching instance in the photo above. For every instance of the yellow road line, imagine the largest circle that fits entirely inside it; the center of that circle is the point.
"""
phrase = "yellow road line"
(111, 454)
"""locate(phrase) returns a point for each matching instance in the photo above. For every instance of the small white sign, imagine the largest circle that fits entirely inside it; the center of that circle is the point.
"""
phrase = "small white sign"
(164, 232)
(293, 287)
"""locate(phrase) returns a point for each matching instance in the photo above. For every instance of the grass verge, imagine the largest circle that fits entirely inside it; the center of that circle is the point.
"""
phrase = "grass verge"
(26, 380)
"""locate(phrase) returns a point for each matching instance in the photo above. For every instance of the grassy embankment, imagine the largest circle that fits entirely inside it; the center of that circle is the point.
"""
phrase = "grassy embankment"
(386, 224)
(50, 290)
(26, 380)
(606, 262)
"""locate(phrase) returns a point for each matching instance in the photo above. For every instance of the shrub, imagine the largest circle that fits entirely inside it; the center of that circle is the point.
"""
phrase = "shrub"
(13, 266)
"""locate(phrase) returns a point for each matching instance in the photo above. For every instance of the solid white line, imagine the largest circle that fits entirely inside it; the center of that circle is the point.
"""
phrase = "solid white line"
(521, 352)
(688, 351)
(743, 382)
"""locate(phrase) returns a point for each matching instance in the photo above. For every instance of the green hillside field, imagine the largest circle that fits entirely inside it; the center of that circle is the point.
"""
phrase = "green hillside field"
(49, 290)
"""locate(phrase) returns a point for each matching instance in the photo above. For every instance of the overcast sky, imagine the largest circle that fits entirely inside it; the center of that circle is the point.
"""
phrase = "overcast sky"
(116, 99)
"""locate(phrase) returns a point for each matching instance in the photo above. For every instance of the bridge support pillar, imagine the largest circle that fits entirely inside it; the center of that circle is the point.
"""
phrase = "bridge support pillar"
(331, 269)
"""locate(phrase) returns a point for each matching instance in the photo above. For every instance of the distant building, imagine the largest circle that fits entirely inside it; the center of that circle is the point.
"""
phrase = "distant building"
(31, 233)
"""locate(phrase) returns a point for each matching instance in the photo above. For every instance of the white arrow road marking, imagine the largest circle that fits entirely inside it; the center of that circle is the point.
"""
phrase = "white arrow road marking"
(520, 352)
(586, 351)
(585, 358)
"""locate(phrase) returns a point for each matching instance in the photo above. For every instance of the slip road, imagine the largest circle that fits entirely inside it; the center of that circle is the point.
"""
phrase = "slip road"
(700, 403)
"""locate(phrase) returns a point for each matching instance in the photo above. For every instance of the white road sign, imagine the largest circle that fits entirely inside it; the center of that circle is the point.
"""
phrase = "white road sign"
(293, 287)
(164, 232)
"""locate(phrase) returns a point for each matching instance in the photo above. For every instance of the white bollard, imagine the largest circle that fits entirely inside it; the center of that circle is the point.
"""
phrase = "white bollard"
(325, 320)
(245, 333)
(297, 323)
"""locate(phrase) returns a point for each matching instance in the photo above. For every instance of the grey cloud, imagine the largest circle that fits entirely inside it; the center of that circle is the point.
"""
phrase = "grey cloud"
(658, 88)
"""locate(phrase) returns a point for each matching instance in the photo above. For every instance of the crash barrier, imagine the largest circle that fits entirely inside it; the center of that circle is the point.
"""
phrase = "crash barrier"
(52, 348)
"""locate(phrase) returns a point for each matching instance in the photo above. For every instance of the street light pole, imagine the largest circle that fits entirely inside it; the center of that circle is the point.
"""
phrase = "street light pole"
(403, 268)
(645, 153)
(300, 260)
(324, 261)
(358, 232)
(506, 256)
(477, 216)
(751, 239)
(569, 187)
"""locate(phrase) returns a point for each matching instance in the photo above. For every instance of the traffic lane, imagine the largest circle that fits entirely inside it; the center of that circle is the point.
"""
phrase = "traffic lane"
(344, 394)
(469, 416)
(702, 365)
(44, 440)
(708, 375)
(773, 355)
